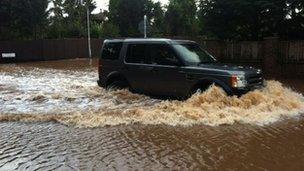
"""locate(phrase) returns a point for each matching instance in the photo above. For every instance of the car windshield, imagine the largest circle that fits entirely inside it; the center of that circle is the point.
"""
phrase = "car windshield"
(192, 53)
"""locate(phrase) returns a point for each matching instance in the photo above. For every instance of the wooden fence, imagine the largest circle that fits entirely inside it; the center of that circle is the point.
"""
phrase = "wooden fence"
(243, 51)
(273, 55)
(291, 52)
(37, 50)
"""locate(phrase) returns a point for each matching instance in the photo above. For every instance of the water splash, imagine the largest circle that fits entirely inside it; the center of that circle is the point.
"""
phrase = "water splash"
(73, 98)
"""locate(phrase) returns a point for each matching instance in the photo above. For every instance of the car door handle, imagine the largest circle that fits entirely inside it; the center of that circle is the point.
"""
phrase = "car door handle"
(149, 68)
(154, 70)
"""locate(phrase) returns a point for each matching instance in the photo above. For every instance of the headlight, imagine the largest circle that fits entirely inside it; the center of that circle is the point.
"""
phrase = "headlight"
(238, 81)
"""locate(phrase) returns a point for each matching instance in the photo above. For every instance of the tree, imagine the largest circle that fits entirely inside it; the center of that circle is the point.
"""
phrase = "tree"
(158, 20)
(127, 14)
(109, 30)
(222, 19)
(249, 19)
(57, 21)
(6, 19)
(23, 19)
(76, 17)
(181, 18)
(226, 19)
(295, 21)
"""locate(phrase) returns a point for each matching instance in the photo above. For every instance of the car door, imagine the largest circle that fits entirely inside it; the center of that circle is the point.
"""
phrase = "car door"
(166, 73)
(135, 68)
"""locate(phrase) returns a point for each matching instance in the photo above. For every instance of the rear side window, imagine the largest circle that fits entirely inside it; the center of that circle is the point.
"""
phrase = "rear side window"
(136, 53)
(111, 51)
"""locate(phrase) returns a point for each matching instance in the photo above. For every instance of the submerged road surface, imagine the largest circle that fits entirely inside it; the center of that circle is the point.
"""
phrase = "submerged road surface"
(54, 117)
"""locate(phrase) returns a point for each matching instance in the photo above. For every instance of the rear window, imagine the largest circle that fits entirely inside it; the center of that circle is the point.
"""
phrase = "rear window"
(136, 53)
(111, 51)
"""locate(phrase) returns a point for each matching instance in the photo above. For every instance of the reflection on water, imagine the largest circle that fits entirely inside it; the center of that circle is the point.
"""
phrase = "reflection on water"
(49, 146)
(261, 130)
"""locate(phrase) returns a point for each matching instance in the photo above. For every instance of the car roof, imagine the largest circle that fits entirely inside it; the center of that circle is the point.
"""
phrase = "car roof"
(147, 40)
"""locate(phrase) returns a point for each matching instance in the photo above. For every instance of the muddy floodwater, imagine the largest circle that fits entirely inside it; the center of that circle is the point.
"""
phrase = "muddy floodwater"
(53, 116)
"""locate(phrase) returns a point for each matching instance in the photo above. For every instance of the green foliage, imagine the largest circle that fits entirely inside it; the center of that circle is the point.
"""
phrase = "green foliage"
(68, 19)
(22, 19)
(181, 18)
(294, 25)
(127, 14)
(109, 30)
(57, 23)
(96, 30)
(250, 19)
(221, 19)
(158, 20)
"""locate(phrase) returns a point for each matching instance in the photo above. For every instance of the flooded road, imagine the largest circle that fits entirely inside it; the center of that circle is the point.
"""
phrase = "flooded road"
(54, 116)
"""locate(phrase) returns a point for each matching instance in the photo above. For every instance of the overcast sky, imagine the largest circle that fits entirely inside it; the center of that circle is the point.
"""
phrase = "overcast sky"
(103, 4)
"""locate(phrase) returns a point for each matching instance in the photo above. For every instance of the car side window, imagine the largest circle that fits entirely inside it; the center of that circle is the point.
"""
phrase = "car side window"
(136, 53)
(162, 54)
(111, 51)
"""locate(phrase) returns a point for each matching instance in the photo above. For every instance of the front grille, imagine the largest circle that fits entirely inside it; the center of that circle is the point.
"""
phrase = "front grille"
(255, 80)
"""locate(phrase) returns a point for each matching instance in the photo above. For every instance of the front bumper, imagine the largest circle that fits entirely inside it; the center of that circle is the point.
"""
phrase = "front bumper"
(242, 91)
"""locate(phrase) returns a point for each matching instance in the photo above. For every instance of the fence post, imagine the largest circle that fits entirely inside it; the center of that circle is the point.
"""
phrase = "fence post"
(271, 65)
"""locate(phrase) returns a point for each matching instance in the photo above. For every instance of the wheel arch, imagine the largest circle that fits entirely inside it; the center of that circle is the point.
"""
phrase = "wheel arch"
(206, 82)
(115, 76)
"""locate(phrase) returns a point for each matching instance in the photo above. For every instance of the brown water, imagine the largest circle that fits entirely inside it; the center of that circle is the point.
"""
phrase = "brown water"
(259, 131)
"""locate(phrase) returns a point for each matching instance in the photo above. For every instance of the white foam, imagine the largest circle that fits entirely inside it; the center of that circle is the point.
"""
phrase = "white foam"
(73, 97)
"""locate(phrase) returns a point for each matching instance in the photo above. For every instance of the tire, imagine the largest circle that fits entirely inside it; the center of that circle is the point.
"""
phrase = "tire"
(117, 85)
(204, 88)
(199, 89)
